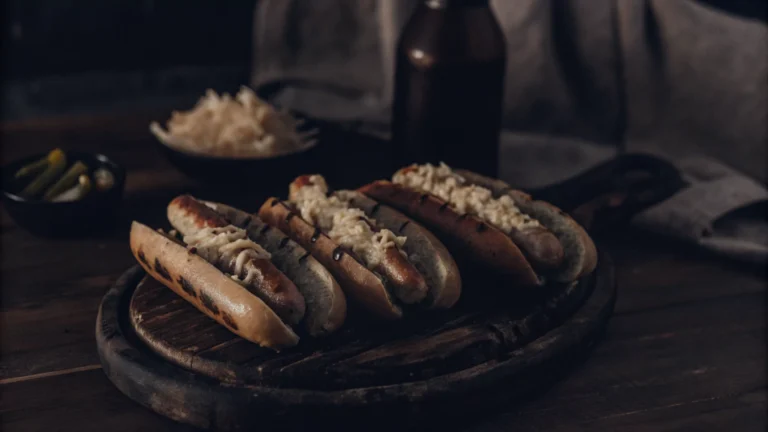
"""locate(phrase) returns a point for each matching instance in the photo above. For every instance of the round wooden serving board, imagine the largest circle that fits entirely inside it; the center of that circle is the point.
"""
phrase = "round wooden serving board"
(497, 344)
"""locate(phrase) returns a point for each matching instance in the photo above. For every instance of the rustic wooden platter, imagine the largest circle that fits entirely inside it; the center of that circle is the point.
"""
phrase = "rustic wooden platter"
(496, 345)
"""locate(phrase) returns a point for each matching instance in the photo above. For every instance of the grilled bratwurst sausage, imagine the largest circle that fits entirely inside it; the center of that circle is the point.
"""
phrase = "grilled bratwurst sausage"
(229, 249)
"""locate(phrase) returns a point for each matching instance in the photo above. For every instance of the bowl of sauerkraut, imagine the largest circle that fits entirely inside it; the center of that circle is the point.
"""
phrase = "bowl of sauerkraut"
(241, 137)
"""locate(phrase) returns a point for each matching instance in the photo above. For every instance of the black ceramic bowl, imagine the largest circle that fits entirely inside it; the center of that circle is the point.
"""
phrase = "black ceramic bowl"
(95, 213)
(270, 174)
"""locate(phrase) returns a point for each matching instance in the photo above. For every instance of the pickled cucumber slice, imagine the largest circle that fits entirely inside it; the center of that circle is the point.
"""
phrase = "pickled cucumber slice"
(57, 162)
(35, 168)
(77, 192)
(104, 179)
(66, 181)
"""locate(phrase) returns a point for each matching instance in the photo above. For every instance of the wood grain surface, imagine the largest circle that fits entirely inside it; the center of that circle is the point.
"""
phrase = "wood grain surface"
(363, 353)
(685, 349)
(531, 360)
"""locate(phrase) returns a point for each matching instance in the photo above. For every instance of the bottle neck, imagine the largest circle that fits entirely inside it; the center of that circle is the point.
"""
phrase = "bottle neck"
(442, 4)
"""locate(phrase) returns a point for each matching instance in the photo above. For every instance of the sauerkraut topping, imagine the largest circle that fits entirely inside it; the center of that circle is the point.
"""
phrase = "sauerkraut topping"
(442, 182)
(223, 245)
(349, 227)
(239, 126)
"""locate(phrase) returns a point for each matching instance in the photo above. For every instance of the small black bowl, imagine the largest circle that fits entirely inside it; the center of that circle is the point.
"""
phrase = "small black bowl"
(270, 175)
(241, 172)
(96, 213)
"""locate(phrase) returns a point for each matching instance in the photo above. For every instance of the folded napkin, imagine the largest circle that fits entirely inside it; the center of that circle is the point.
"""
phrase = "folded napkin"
(720, 210)
(676, 79)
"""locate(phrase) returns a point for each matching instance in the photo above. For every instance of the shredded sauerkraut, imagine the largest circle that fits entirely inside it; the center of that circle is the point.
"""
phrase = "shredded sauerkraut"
(442, 182)
(347, 226)
(223, 245)
(224, 126)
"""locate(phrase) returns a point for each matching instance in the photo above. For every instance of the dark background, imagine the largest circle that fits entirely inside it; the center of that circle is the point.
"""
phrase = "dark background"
(70, 56)
(74, 56)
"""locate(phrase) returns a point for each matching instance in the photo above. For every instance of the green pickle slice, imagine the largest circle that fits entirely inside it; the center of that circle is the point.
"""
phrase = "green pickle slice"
(66, 181)
(76, 192)
(104, 179)
(57, 162)
(35, 168)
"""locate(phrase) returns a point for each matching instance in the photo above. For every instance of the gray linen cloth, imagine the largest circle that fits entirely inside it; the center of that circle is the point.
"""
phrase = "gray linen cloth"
(585, 79)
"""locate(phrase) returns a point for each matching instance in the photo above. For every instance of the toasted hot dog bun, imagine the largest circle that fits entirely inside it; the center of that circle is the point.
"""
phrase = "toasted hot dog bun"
(209, 289)
(540, 246)
(404, 280)
(424, 250)
(358, 282)
(580, 254)
(189, 216)
(326, 304)
(474, 237)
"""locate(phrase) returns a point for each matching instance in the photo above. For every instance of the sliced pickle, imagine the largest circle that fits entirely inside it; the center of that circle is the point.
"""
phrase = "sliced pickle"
(33, 168)
(104, 179)
(57, 162)
(77, 192)
(66, 181)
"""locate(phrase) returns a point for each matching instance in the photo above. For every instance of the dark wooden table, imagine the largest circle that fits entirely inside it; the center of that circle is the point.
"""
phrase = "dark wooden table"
(685, 350)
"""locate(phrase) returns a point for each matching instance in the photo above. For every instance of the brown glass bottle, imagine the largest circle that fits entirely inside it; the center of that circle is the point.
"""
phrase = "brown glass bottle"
(449, 85)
